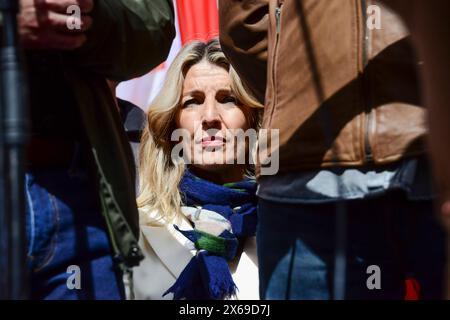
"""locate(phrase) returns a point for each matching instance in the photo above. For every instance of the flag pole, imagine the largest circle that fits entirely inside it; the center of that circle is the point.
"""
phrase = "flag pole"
(14, 134)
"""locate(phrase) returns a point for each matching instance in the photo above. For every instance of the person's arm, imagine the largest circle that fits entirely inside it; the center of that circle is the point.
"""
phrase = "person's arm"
(429, 23)
(243, 37)
(127, 38)
(431, 32)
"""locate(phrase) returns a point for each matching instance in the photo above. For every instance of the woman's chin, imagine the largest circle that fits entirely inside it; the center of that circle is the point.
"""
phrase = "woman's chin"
(213, 167)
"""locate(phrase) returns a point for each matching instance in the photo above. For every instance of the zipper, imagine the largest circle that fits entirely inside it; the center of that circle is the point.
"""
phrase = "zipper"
(278, 19)
(274, 57)
(368, 155)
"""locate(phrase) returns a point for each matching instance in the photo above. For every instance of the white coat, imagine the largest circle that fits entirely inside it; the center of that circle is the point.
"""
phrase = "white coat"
(167, 252)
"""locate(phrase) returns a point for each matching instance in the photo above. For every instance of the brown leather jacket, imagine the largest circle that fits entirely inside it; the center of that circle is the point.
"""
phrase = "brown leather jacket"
(341, 93)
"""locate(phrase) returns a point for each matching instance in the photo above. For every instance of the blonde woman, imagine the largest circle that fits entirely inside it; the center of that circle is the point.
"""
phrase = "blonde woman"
(198, 217)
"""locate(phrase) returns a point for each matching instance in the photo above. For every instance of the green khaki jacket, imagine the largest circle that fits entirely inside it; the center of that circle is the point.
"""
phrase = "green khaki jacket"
(127, 39)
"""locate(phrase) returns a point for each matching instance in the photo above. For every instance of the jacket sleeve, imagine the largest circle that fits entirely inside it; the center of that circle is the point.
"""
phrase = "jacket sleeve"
(243, 37)
(128, 38)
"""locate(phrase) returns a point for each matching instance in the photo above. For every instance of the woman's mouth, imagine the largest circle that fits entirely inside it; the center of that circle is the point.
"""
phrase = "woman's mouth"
(213, 142)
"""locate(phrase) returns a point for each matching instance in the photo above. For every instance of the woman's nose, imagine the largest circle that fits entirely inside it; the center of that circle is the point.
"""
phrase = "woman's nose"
(211, 116)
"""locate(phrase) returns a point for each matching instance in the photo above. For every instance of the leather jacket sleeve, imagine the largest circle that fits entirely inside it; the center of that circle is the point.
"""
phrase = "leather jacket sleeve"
(243, 37)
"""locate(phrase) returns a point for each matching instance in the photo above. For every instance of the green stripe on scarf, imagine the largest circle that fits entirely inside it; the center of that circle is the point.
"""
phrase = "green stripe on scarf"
(215, 245)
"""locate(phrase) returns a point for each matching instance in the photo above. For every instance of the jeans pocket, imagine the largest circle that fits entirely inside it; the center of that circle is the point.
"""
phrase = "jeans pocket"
(42, 224)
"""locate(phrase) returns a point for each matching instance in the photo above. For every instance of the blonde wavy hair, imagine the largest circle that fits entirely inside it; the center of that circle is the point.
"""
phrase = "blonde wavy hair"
(159, 176)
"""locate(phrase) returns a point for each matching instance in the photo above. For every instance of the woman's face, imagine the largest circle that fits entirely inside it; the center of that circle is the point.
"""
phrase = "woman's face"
(210, 112)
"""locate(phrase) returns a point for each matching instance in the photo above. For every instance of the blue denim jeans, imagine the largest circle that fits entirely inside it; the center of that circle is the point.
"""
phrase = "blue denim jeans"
(296, 248)
(65, 228)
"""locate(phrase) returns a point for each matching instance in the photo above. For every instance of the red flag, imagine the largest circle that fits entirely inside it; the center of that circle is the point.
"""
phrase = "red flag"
(198, 20)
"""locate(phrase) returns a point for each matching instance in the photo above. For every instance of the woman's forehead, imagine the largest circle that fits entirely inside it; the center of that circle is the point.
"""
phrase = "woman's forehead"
(206, 76)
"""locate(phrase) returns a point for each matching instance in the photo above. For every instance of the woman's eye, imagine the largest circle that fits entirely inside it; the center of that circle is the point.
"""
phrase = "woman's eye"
(229, 99)
(190, 103)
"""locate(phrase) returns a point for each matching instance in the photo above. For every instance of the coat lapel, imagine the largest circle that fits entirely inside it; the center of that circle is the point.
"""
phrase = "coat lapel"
(171, 247)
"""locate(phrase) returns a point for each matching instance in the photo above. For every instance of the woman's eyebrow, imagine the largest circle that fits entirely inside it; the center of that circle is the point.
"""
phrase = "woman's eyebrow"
(193, 93)
(224, 91)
